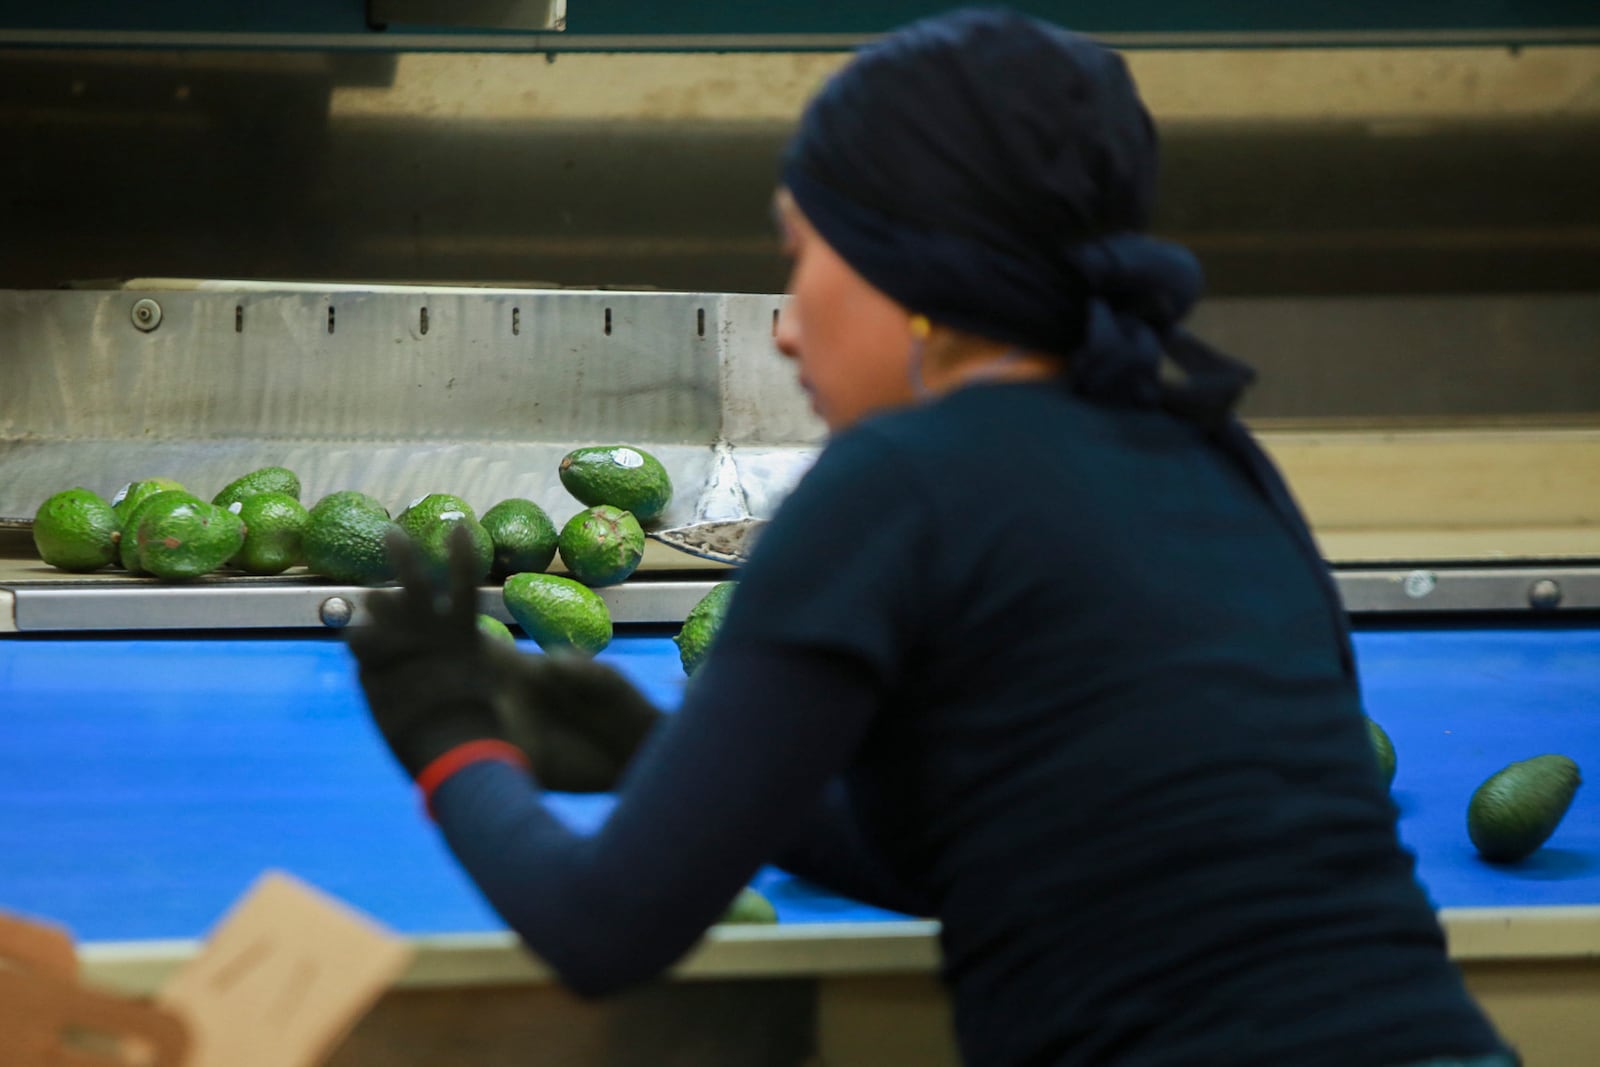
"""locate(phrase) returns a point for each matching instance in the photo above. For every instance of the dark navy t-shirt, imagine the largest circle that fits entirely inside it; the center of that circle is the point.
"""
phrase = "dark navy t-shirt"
(1118, 747)
(1063, 677)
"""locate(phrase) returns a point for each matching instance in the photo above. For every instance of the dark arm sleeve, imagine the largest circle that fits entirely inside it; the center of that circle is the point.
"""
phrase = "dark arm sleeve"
(815, 634)
(710, 799)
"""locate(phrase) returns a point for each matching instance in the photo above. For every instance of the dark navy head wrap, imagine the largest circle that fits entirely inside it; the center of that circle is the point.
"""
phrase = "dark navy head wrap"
(996, 173)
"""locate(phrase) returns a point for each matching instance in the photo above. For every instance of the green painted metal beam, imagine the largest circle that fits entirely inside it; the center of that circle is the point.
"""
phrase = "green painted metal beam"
(769, 25)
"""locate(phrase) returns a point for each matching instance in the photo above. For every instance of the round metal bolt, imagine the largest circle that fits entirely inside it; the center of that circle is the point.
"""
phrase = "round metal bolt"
(1544, 594)
(146, 314)
(1419, 584)
(336, 612)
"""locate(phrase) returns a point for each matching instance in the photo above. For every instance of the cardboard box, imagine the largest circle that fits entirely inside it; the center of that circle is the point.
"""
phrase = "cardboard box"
(279, 982)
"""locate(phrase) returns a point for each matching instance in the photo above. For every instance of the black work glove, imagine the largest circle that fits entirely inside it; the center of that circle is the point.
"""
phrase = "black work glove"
(426, 669)
(434, 681)
(579, 721)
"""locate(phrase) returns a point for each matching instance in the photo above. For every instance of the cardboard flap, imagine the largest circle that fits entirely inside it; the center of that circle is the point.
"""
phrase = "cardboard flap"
(283, 978)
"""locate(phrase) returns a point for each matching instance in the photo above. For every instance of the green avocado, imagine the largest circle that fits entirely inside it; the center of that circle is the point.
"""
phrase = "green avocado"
(274, 532)
(558, 612)
(345, 540)
(129, 496)
(523, 535)
(1519, 807)
(1382, 748)
(430, 520)
(178, 539)
(601, 546)
(346, 498)
(266, 480)
(492, 627)
(75, 530)
(127, 545)
(700, 626)
(750, 907)
(619, 475)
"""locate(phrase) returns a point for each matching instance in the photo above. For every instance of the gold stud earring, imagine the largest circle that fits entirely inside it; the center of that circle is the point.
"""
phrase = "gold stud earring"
(921, 328)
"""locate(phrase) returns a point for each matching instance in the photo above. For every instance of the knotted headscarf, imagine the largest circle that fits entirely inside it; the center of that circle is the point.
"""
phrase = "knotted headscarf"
(996, 174)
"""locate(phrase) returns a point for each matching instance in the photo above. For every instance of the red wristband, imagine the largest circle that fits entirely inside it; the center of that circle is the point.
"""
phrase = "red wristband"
(448, 763)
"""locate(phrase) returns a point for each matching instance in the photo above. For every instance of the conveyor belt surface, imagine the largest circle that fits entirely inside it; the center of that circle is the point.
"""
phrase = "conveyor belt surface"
(144, 783)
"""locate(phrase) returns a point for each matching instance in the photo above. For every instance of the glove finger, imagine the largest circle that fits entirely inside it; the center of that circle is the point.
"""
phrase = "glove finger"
(464, 575)
(377, 640)
(410, 571)
(387, 607)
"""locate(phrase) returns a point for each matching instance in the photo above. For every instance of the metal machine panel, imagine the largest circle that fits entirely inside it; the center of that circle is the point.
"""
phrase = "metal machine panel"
(398, 392)
(242, 603)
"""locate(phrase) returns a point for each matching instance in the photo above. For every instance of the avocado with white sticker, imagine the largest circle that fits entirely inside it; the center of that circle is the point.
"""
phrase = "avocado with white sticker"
(430, 519)
(620, 476)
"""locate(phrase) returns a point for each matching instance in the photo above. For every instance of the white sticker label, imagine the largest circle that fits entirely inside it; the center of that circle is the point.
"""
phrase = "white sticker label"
(236, 507)
(452, 516)
(626, 457)
(1419, 584)
(122, 494)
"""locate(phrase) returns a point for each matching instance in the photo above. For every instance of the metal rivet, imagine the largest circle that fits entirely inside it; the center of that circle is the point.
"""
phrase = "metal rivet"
(146, 314)
(1544, 594)
(1419, 584)
(336, 612)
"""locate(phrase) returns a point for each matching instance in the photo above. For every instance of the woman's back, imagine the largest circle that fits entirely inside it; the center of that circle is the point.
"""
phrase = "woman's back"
(1120, 750)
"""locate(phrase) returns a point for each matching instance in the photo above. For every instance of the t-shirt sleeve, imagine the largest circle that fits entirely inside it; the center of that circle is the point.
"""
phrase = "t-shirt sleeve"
(720, 788)
(844, 566)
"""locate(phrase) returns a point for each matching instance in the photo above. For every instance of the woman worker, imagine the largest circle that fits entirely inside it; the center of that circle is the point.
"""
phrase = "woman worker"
(1040, 646)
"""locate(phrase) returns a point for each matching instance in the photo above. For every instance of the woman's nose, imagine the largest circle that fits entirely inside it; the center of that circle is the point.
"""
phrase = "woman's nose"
(786, 333)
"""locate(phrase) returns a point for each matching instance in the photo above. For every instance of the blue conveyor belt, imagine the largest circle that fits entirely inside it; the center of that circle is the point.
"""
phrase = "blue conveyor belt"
(144, 783)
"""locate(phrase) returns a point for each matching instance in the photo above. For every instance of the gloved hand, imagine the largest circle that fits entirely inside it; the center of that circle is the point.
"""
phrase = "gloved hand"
(579, 722)
(434, 682)
(424, 666)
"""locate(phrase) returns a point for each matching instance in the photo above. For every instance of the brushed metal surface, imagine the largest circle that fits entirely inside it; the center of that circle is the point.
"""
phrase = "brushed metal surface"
(398, 393)
(106, 604)
(226, 603)
(479, 392)
(1426, 590)
(425, 364)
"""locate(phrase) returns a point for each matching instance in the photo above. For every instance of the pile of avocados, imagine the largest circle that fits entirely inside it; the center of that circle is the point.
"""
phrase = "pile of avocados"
(1516, 809)
(257, 525)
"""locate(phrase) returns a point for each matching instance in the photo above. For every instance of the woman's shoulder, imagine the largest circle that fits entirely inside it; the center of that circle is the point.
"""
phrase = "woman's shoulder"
(869, 457)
